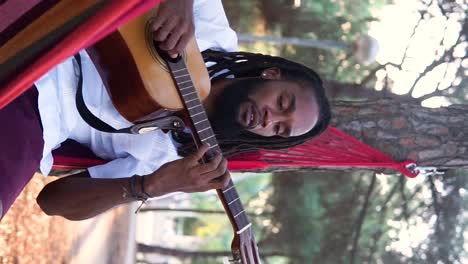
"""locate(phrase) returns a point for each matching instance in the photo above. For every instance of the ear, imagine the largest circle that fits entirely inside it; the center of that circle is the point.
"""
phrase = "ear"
(273, 73)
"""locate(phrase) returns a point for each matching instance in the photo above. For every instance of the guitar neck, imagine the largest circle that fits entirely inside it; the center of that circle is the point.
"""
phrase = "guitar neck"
(203, 133)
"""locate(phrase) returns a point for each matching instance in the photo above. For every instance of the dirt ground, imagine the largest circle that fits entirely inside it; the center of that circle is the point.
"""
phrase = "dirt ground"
(29, 236)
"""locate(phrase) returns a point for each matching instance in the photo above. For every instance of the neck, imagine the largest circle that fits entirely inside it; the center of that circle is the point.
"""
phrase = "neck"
(216, 88)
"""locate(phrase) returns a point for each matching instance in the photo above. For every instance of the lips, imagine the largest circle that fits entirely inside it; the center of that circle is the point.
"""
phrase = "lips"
(250, 116)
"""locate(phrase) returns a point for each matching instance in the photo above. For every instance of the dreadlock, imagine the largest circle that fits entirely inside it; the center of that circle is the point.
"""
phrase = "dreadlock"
(245, 64)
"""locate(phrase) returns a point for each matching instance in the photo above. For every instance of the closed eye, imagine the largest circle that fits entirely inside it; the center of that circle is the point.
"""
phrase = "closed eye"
(277, 129)
(280, 103)
(283, 102)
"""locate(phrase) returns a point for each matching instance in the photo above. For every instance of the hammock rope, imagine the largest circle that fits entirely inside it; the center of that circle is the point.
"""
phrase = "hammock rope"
(332, 149)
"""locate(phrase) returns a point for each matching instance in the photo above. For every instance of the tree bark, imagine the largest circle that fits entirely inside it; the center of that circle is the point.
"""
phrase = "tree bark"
(362, 216)
(406, 130)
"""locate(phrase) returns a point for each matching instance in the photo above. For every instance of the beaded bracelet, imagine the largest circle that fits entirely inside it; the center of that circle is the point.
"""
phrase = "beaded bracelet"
(140, 195)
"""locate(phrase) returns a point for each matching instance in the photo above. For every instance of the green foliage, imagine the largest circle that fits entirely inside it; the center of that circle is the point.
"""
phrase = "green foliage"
(217, 229)
(340, 21)
(298, 211)
(312, 210)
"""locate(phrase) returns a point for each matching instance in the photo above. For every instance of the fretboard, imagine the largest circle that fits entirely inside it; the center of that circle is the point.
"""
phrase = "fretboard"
(203, 133)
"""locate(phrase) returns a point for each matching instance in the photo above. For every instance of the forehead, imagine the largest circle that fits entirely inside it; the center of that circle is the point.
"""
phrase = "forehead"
(305, 116)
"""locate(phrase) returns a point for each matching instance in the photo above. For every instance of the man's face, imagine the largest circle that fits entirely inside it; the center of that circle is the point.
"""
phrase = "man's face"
(266, 108)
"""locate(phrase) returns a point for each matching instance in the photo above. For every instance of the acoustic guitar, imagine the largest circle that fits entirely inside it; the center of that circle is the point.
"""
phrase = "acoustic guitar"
(145, 82)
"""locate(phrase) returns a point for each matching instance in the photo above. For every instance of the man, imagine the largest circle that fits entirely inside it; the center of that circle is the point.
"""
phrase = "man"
(256, 101)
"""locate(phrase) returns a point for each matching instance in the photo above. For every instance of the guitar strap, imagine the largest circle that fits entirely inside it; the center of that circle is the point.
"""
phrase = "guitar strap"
(166, 123)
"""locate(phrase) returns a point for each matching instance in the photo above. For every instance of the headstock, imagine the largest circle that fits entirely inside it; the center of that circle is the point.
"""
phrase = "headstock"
(244, 248)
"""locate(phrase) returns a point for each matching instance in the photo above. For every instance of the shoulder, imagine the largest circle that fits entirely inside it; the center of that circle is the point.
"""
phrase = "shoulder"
(212, 29)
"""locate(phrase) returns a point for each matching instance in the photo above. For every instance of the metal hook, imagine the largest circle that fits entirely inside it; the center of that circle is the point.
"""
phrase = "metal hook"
(424, 170)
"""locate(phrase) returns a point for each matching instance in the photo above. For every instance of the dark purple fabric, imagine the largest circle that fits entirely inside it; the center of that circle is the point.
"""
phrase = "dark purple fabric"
(16, 16)
(22, 144)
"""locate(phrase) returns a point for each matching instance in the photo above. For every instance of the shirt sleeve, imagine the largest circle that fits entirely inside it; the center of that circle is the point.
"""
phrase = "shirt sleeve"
(212, 29)
(144, 154)
(119, 168)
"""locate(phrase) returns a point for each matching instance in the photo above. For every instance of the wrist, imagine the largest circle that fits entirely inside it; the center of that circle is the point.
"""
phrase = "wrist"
(152, 184)
(136, 186)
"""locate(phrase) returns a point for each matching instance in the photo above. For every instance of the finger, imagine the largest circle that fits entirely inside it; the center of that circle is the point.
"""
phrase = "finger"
(175, 36)
(159, 20)
(222, 181)
(162, 33)
(195, 157)
(226, 179)
(210, 166)
(219, 171)
(182, 44)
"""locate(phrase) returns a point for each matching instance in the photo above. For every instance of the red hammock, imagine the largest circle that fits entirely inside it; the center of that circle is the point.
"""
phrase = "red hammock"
(332, 149)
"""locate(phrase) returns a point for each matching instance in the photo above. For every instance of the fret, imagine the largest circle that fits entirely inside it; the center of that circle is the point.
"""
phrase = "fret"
(203, 130)
(244, 228)
(242, 221)
(193, 107)
(198, 118)
(182, 75)
(238, 213)
(210, 142)
(187, 84)
(184, 82)
(198, 113)
(190, 108)
(195, 99)
(214, 146)
(225, 191)
(174, 71)
(200, 121)
(232, 195)
(233, 200)
(207, 138)
(236, 208)
(181, 89)
(194, 92)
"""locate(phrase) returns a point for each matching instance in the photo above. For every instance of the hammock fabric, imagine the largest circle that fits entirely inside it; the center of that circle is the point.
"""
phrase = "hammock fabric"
(332, 149)
(107, 18)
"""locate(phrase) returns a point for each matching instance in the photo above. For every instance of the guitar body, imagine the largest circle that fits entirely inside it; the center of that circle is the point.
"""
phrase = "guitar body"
(137, 78)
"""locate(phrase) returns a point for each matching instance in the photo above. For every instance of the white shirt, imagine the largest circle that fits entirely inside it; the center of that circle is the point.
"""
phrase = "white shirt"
(129, 154)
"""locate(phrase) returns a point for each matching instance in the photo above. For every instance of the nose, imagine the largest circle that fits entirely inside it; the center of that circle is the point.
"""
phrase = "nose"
(270, 117)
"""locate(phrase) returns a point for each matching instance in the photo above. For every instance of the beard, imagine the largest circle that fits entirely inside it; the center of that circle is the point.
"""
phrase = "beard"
(224, 120)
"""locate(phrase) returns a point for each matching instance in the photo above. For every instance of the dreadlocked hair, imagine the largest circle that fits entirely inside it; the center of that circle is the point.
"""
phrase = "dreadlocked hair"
(245, 64)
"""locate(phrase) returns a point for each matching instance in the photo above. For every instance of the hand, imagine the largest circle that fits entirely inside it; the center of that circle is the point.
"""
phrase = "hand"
(189, 175)
(173, 25)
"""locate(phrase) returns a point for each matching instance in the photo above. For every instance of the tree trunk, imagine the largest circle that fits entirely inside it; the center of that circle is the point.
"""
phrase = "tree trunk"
(356, 92)
(405, 130)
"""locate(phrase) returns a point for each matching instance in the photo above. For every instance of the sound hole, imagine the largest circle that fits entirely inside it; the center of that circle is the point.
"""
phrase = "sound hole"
(159, 55)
